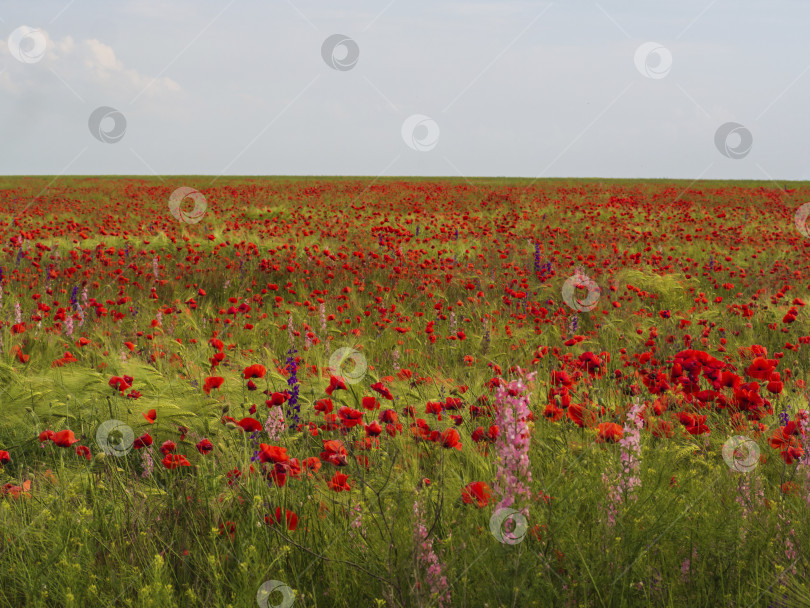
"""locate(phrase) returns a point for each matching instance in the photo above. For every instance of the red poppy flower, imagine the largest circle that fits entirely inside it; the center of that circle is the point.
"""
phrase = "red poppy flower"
(312, 464)
(695, 424)
(278, 474)
(374, 429)
(250, 425)
(212, 382)
(335, 383)
(334, 452)
(277, 399)
(168, 447)
(64, 439)
(339, 483)
(290, 517)
(22, 491)
(370, 403)
(5, 458)
(389, 416)
(581, 416)
(142, 441)
(477, 492)
(255, 371)
(119, 383)
(150, 416)
(435, 408)
(553, 413)
(172, 461)
(272, 453)
(324, 406)
(609, 431)
(451, 439)
(481, 434)
(761, 368)
(350, 417)
(205, 446)
(383, 390)
(83, 450)
(46, 436)
(786, 440)
(22, 358)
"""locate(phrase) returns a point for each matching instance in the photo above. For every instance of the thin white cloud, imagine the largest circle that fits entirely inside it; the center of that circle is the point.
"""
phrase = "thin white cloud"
(87, 67)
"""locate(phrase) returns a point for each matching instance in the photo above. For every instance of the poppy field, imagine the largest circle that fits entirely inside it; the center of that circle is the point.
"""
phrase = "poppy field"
(412, 393)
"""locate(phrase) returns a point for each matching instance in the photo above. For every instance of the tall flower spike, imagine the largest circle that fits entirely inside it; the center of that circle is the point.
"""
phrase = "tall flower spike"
(514, 475)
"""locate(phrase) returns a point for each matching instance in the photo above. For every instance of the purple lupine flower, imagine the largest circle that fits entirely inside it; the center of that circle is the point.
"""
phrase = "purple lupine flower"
(293, 407)
(537, 256)
(254, 439)
(74, 297)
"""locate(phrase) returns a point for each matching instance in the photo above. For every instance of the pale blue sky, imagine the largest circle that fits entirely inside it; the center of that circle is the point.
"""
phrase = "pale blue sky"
(534, 89)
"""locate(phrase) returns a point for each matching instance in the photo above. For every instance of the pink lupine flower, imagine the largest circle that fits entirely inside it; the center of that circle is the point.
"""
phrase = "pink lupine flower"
(427, 561)
(514, 475)
(629, 479)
